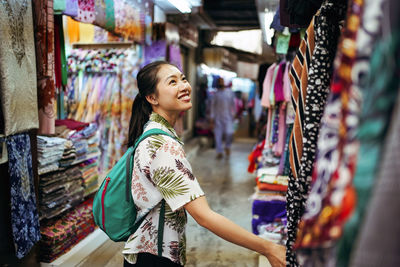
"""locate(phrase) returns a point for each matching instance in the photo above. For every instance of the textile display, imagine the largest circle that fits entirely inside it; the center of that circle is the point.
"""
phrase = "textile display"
(335, 162)
(44, 38)
(380, 88)
(174, 55)
(97, 94)
(156, 51)
(327, 32)
(60, 235)
(24, 215)
(18, 84)
(266, 212)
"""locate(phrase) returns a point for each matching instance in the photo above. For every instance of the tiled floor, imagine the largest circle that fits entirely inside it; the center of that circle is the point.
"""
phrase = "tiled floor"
(227, 186)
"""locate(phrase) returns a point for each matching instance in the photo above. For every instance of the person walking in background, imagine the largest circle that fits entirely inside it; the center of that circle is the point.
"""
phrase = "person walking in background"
(222, 113)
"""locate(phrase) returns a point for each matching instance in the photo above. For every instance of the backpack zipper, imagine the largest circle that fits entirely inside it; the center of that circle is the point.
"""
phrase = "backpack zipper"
(103, 218)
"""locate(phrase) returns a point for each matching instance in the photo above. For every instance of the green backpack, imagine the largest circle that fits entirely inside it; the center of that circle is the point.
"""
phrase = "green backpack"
(114, 210)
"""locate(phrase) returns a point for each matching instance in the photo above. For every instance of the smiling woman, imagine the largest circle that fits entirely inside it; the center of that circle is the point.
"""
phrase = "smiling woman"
(162, 177)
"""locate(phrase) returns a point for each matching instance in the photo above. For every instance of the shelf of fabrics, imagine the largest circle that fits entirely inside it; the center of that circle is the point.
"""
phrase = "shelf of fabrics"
(68, 173)
(101, 88)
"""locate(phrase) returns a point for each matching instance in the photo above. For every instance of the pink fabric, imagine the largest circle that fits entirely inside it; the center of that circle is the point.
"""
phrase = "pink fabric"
(267, 86)
(287, 91)
(280, 145)
(278, 86)
(269, 125)
(86, 11)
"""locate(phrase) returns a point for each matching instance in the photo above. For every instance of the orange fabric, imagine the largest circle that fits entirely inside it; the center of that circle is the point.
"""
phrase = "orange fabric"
(73, 30)
(299, 80)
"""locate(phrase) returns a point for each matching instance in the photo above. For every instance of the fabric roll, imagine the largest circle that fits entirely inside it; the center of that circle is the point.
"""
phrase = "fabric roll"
(24, 215)
(18, 84)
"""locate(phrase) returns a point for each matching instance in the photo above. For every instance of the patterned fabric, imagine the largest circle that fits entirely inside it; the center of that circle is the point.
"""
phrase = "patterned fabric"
(327, 32)
(24, 215)
(86, 11)
(335, 163)
(161, 171)
(17, 83)
(61, 234)
(44, 37)
(379, 89)
(299, 79)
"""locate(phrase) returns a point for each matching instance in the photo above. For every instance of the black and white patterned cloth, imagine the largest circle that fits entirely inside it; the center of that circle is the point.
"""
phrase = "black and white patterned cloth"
(327, 33)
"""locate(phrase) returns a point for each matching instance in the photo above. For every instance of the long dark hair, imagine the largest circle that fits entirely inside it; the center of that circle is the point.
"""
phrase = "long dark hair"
(147, 81)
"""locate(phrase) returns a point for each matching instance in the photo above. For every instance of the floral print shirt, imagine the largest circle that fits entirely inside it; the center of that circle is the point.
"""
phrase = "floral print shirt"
(161, 170)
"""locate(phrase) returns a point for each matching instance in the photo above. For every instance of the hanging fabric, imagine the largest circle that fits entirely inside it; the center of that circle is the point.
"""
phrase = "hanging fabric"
(327, 32)
(18, 84)
(24, 215)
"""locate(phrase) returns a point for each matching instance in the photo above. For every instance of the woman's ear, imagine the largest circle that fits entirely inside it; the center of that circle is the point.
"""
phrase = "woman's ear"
(152, 99)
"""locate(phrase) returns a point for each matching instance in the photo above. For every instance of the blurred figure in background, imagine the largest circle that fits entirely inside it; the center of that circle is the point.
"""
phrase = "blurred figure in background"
(221, 115)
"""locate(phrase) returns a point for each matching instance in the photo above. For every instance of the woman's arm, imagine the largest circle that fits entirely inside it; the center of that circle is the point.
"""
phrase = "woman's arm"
(232, 232)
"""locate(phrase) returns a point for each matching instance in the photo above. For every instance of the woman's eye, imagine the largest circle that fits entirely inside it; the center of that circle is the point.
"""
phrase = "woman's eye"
(183, 78)
(172, 81)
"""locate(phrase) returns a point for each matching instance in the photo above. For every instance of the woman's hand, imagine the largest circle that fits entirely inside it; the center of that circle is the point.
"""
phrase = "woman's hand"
(276, 255)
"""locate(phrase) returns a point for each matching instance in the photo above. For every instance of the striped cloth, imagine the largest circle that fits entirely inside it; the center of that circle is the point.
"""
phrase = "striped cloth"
(299, 80)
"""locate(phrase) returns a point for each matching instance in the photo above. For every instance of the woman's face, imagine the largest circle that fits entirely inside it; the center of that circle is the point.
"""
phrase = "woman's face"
(173, 90)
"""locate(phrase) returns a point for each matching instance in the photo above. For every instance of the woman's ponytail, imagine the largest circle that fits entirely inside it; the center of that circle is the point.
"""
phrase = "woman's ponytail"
(141, 110)
(147, 81)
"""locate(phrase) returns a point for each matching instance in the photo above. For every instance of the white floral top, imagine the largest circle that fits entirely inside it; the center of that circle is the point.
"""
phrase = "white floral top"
(161, 170)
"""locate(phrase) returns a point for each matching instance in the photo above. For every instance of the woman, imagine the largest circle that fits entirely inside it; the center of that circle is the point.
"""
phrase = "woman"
(161, 171)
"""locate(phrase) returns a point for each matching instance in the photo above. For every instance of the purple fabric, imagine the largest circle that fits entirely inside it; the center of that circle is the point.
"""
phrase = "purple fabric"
(175, 56)
(71, 8)
(278, 87)
(156, 51)
(266, 212)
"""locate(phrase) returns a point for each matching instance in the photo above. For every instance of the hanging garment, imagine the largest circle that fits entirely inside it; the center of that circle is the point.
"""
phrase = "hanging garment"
(331, 196)
(45, 63)
(319, 78)
(18, 83)
(379, 93)
(24, 215)
(267, 85)
(299, 80)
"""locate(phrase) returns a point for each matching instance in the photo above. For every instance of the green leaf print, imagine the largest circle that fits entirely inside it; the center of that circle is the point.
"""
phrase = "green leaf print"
(155, 142)
(169, 182)
(175, 219)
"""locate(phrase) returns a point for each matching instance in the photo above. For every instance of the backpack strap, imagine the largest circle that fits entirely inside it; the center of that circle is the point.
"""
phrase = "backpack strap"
(129, 170)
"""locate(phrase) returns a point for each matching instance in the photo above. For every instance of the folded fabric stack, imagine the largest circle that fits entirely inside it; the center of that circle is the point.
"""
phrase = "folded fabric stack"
(87, 143)
(60, 191)
(50, 152)
(69, 155)
(269, 205)
(90, 174)
(59, 236)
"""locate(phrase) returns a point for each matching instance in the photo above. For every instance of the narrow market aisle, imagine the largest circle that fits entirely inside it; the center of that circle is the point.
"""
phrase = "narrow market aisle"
(227, 186)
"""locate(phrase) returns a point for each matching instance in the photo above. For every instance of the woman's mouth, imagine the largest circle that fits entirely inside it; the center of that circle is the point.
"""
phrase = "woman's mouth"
(185, 97)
